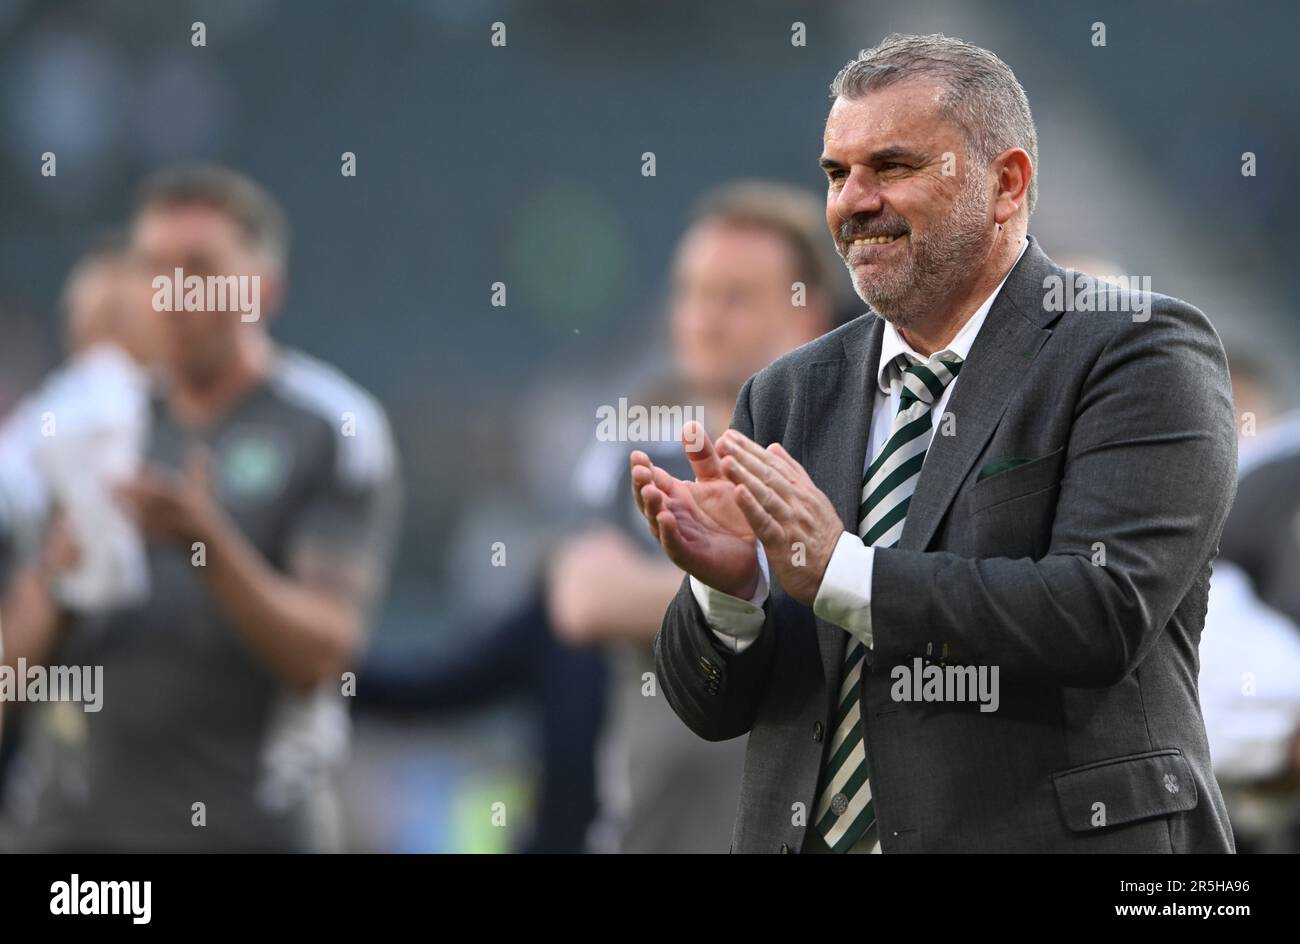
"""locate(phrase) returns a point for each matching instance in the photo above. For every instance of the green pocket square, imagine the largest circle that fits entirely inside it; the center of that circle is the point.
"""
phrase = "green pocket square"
(999, 465)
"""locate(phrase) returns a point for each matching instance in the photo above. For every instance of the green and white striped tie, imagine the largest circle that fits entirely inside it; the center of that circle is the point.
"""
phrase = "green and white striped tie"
(845, 813)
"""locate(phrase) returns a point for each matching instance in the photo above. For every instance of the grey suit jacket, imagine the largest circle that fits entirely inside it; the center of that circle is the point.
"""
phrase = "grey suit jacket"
(1081, 574)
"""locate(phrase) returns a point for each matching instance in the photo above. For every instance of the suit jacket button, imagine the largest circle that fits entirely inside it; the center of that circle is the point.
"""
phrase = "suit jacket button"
(817, 732)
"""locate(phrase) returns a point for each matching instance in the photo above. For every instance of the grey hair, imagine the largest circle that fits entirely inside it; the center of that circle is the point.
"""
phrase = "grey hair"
(983, 97)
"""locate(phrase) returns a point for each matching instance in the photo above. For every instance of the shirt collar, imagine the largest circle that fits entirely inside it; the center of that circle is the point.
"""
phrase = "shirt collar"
(893, 344)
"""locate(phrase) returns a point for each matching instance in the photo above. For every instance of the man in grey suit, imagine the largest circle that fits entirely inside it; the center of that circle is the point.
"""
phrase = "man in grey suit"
(949, 567)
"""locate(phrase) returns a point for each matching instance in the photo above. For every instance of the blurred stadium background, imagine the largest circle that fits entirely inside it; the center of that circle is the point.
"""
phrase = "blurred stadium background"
(523, 165)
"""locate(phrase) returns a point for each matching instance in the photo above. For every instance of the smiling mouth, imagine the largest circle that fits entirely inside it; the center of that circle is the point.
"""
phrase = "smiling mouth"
(874, 240)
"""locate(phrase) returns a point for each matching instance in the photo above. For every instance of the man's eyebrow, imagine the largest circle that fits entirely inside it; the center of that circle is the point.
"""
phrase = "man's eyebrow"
(877, 157)
(891, 152)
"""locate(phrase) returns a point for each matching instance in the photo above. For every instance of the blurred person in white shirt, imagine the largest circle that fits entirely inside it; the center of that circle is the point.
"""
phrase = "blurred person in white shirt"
(66, 442)
(1250, 647)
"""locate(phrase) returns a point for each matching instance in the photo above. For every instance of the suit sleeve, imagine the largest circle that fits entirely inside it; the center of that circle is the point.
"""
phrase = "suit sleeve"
(1149, 474)
(713, 690)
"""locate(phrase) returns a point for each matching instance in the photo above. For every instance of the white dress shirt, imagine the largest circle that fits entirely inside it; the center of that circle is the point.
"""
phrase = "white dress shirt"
(844, 597)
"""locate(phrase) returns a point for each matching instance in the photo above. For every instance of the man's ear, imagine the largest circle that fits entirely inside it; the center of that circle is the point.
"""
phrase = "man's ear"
(1013, 170)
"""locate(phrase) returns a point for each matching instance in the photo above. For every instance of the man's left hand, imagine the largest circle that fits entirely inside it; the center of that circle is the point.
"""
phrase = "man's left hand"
(794, 519)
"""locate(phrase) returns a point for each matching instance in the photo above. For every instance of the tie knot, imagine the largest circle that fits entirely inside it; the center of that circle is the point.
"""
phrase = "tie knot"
(924, 382)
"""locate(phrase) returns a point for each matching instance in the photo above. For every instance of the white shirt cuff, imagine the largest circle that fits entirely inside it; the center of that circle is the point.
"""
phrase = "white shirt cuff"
(734, 621)
(844, 597)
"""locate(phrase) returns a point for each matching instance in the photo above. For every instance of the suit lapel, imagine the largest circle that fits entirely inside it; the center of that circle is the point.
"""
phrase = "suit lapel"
(837, 424)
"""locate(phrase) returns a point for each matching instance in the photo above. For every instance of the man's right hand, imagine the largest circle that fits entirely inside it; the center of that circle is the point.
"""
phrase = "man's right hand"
(699, 524)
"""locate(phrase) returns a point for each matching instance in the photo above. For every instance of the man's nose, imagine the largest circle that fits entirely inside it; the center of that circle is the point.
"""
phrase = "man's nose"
(860, 194)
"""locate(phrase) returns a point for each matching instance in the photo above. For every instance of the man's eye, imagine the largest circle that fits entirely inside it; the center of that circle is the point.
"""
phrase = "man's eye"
(890, 165)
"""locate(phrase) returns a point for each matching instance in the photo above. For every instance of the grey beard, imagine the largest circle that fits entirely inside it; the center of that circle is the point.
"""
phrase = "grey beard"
(936, 260)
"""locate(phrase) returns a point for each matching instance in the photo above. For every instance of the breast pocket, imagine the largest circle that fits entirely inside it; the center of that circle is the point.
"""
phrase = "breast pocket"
(1010, 514)
(1024, 479)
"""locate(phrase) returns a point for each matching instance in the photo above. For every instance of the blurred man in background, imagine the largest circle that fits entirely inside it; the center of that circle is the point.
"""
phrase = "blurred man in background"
(751, 280)
(753, 277)
(269, 501)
